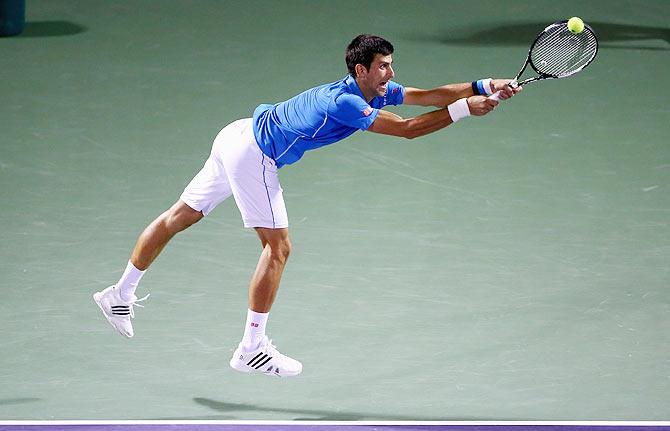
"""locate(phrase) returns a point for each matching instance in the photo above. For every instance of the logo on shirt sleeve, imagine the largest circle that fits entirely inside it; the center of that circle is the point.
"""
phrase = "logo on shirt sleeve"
(367, 111)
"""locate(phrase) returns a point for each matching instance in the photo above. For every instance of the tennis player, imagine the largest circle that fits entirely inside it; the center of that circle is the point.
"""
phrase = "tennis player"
(244, 161)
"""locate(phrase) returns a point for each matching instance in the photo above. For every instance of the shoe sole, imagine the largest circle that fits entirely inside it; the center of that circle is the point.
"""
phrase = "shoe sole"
(96, 298)
(244, 368)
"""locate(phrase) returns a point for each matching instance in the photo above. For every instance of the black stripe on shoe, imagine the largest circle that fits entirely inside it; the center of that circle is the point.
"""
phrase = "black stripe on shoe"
(253, 364)
(255, 357)
(263, 363)
(120, 310)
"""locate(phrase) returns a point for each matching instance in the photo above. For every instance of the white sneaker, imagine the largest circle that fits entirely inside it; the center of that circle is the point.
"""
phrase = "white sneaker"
(117, 311)
(266, 359)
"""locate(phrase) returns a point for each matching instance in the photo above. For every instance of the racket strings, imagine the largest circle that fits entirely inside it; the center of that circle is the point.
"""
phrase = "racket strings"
(550, 52)
(560, 53)
(586, 49)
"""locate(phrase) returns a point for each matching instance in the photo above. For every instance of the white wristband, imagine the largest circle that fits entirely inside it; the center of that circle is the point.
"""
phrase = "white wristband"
(486, 84)
(459, 109)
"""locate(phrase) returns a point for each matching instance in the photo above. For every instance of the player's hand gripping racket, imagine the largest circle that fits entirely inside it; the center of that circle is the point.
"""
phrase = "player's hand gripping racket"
(557, 53)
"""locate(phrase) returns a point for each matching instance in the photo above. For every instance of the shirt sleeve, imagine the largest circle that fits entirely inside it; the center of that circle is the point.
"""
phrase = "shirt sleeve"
(353, 111)
(395, 93)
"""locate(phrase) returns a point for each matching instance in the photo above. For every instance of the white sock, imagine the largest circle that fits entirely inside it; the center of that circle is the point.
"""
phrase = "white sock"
(254, 331)
(128, 282)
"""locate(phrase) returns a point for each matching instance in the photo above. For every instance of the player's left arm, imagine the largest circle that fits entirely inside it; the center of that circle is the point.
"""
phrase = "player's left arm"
(448, 94)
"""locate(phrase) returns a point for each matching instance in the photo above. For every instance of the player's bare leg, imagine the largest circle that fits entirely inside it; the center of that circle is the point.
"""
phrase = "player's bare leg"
(151, 242)
(256, 354)
(265, 281)
(116, 302)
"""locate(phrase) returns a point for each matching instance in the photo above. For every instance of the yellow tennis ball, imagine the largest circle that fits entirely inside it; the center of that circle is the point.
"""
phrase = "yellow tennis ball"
(575, 25)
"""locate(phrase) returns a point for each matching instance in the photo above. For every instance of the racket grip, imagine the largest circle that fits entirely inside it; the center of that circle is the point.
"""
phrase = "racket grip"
(496, 96)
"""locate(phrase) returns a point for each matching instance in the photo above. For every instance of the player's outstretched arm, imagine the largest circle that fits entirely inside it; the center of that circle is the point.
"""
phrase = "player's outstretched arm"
(388, 123)
(438, 97)
(448, 94)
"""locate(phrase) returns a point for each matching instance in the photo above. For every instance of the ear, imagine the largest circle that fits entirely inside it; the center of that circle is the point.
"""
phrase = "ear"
(360, 70)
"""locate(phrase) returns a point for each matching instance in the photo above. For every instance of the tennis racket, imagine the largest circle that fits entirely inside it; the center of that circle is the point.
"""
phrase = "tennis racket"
(557, 53)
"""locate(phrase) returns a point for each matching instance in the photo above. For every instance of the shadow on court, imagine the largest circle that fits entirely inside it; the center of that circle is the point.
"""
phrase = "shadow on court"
(324, 415)
(609, 35)
(13, 401)
(51, 29)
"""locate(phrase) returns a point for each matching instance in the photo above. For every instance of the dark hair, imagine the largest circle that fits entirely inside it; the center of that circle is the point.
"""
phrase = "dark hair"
(362, 50)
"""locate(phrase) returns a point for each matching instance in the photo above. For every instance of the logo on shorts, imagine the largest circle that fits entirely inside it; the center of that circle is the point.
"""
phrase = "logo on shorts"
(255, 325)
(367, 111)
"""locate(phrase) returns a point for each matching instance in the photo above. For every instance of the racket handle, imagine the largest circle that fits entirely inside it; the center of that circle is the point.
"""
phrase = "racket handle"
(496, 96)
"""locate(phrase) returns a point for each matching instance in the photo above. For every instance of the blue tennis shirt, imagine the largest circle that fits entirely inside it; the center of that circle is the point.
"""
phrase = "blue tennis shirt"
(319, 116)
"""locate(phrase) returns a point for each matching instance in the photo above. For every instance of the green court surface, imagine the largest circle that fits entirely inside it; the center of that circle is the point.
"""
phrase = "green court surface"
(511, 267)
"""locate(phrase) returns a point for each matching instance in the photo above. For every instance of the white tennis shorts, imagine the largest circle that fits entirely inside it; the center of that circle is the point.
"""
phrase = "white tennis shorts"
(237, 166)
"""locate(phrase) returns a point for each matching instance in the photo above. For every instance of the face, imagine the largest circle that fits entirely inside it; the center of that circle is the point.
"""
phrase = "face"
(374, 81)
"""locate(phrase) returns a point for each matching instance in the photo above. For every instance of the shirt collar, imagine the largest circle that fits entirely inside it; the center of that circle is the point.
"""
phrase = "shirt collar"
(352, 85)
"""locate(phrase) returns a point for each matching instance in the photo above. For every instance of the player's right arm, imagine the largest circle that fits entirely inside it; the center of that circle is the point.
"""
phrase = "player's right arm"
(443, 96)
(388, 123)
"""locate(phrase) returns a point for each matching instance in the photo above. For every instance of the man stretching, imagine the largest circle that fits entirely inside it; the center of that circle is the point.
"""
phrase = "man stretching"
(244, 161)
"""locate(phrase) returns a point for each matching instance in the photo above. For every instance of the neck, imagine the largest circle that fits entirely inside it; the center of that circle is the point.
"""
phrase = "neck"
(367, 94)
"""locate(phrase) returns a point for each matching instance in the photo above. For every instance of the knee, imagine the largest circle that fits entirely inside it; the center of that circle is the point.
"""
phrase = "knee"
(280, 250)
(181, 216)
(276, 243)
